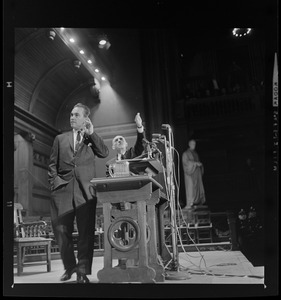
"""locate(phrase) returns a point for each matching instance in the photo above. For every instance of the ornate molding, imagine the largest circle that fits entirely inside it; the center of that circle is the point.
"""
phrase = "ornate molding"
(26, 121)
(40, 159)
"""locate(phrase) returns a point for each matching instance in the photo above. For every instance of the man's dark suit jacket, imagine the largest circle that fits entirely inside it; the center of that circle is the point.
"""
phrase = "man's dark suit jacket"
(66, 165)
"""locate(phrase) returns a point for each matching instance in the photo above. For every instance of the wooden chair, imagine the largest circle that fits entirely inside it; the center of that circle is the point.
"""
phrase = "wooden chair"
(203, 226)
(28, 234)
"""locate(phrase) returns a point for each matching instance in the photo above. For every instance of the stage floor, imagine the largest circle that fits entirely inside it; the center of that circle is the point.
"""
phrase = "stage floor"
(204, 267)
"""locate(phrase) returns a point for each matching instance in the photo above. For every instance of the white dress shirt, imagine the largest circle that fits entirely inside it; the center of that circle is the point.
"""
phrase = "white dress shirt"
(75, 132)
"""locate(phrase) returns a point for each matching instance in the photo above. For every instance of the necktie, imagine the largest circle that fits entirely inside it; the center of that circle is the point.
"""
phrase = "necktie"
(78, 139)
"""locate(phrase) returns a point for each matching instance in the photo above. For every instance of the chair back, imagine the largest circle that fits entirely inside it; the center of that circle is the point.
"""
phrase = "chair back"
(19, 230)
(203, 218)
(25, 229)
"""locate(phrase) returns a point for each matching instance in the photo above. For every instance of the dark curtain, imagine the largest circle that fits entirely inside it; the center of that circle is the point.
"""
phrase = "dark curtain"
(162, 81)
(161, 76)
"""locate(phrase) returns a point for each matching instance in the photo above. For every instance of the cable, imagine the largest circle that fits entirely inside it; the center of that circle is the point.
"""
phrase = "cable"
(225, 274)
(175, 173)
(179, 211)
(200, 270)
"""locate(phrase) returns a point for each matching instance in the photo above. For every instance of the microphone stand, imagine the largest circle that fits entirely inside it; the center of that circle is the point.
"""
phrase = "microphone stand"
(174, 274)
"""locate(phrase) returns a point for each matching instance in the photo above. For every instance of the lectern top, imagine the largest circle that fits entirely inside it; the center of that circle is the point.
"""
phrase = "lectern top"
(140, 166)
(124, 183)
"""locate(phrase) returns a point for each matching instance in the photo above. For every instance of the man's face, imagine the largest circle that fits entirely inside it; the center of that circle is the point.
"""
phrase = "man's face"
(192, 144)
(77, 118)
(119, 142)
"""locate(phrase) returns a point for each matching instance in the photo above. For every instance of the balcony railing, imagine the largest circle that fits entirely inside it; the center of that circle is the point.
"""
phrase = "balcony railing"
(219, 106)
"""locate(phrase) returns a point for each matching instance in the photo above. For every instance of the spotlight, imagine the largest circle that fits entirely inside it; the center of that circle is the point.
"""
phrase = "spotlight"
(94, 87)
(77, 63)
(94, 91)
(104, 42)
(239, 32)
(51, 34)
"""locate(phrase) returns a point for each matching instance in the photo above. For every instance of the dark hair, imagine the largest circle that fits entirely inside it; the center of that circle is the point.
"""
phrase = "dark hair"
(85, 107)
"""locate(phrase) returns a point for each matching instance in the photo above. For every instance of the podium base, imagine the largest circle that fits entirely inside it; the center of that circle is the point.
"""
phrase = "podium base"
(177, 275)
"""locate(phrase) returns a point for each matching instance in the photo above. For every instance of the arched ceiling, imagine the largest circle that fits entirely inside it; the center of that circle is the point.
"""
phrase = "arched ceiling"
(45, 75)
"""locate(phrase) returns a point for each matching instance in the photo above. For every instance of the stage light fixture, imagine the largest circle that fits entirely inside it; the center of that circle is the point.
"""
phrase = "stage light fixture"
(51, 34)
(104, 42)
(94, 87)
(77, 63)
(239, 32)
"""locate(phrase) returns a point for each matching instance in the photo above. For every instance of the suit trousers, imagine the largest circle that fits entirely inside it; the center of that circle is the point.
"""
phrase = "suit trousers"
(63, 227)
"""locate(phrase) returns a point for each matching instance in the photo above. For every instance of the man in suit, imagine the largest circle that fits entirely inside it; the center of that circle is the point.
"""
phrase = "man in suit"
(120, 144)
(71, 167)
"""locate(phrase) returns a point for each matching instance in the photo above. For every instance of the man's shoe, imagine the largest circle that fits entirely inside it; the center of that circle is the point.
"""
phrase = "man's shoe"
(82, 278)
(67, 274)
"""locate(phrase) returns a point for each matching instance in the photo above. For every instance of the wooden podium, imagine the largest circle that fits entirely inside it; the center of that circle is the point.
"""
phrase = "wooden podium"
(129, 234)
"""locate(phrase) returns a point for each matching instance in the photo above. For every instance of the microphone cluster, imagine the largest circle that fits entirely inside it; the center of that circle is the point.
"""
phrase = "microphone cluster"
(165, 126)
(157, 137)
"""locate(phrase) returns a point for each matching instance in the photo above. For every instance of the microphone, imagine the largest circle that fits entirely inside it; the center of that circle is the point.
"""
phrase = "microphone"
(166, 126)
(156, 135)
(161, 141)
(155, 140)
(146, 141)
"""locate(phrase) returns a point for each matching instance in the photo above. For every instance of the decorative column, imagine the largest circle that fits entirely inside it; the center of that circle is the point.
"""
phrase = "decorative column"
(23, 167)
